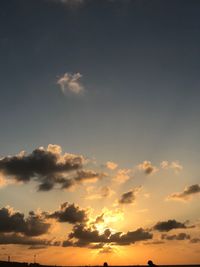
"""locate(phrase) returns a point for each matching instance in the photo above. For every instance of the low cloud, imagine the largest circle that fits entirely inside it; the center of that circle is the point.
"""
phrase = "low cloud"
(169, 225)
(17, 239)
(15, 222)
(71, 82)
(147, 167)
(129, 197)
(180, 236)
(48, 167)
(82, 236)
(188, 192)
(69, 213)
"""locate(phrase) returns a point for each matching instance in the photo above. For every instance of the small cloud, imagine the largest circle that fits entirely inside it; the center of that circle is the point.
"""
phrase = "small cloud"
(186, 195)
(174, 165)
(122, 176)
(180, 236)
(102, 192)
(69, 213)
(147, 167)
(166, 226)
(129, 197)
(70, 83)
(111, 165)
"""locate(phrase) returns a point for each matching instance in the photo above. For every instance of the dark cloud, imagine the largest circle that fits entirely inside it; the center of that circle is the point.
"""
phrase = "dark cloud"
(195, 240)
(187, 193)
(147, 167)
(129, 197)
(13, 238)
(33, 225)
(180, 236)
(85, 237)
(69, 213)
(166, 226)
(49, 168)
(88, 175)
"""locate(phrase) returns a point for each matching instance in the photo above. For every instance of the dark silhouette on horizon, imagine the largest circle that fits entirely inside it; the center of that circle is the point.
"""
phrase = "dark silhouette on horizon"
(151, 264)
(105, 264)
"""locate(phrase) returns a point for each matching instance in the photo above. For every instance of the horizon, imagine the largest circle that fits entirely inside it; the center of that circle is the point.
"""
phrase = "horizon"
(99, 140)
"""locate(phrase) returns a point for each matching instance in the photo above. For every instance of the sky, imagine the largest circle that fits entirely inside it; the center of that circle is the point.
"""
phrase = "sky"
(99, 139)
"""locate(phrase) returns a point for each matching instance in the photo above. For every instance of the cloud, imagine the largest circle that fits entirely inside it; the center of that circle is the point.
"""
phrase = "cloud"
(111, 165)
(88, 176)
(166, 226)
(102, 192)
(188, 192)
(122, 176)
(195, 240)
(70, 82)
(180, 236)
(85, 237)
(147, 167)
(48, 167)
(129, 197)
(174, 165)
(13, 238)
(69, 213)
(15, 222)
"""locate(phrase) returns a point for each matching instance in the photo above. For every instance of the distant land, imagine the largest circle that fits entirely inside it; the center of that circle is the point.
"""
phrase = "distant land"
(25, 264)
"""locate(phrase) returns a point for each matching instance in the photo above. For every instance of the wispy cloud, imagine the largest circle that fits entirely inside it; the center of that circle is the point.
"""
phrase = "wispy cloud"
(71, 83)
(187, 193)
(174, 165)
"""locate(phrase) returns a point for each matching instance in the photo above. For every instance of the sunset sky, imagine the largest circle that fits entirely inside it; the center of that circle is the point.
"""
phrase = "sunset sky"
(99, 138)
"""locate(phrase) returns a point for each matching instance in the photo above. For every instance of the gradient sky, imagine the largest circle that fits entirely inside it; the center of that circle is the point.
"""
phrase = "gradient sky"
(114, 83)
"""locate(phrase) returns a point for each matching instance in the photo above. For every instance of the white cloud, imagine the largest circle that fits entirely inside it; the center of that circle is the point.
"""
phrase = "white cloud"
(70, 83)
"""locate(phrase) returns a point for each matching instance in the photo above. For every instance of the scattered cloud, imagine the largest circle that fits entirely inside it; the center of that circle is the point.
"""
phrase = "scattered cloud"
(102, 192)
(15, 222)
(69, 213)
(166, 226)
(111, 165)
(17, 239)
(85, 237)
(147, 167)
(174, 165)
(49, 168)
(180, 236)
(122, 176)
(195, 240)
(129, 197)
(71, 82)
(188, 192)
